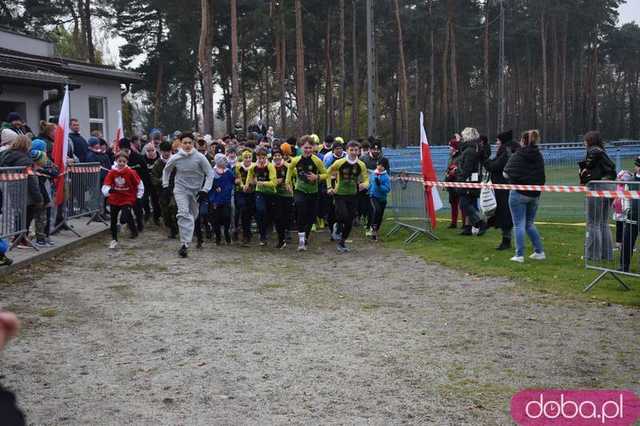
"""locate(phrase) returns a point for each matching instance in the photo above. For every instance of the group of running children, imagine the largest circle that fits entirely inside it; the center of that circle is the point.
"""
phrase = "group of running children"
(205, 188)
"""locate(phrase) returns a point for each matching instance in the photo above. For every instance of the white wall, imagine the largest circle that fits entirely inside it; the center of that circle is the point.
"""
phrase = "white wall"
(79, 103)
(32, 96)
(25, 44)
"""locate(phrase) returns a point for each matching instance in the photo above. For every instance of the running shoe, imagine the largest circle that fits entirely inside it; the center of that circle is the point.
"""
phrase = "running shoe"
(518, 259)
(369, 232)
(5, 261)
(282, 244)
(113, 245)
(538, 256)
(183, 252)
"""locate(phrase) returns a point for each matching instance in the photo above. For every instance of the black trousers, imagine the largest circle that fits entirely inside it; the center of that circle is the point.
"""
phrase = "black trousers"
(282, 215)
(220, 219)
(346, 211)
(306, 209)
(377, 212)
(127, 217)
(246, 206)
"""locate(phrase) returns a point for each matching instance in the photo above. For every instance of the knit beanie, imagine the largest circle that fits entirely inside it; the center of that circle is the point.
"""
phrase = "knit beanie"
(220, 160)
(38, 145)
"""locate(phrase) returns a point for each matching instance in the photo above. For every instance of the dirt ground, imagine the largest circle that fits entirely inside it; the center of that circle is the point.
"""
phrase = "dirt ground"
(258, 336)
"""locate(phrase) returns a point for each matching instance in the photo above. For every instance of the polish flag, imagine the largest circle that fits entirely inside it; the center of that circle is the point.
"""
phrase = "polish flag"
(61, 147)
(119, 133)
(431, 196)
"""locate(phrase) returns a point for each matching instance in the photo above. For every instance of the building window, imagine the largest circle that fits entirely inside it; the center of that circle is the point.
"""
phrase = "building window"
(53, 110)
(97, 108)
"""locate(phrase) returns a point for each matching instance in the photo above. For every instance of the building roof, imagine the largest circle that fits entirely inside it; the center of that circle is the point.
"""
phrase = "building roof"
(19, 67)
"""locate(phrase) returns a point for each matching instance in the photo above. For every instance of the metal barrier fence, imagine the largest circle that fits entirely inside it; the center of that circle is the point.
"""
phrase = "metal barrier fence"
(13, 203)
(406, 202)
(83, 196)
(612, 205)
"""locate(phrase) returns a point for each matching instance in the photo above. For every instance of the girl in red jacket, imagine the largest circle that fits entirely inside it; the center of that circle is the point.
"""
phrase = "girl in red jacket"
(122, 187)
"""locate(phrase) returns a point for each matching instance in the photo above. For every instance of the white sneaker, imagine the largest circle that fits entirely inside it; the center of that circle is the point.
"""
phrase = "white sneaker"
(519, 259)
(538, 256)
(113, 244)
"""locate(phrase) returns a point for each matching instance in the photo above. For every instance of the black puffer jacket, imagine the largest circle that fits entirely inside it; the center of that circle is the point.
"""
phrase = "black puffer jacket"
(471, 158)
(526, 167)
(596, 166)
(14, 158)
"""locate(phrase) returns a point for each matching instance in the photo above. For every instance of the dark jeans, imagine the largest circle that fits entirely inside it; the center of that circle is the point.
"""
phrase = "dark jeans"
(246, 204)
(469, 204)
(127, 217)
(377, 212)
(306, 208)
(220, 219)
(346, 211)
(265, 207)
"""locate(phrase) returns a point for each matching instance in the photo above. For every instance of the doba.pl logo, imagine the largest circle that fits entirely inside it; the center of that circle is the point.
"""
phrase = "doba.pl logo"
(554, 407)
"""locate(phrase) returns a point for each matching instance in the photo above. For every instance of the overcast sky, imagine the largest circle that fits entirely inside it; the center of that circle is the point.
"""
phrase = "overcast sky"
(630, 12)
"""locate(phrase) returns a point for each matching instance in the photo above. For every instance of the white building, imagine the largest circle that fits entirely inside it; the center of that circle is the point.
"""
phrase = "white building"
(32, 80)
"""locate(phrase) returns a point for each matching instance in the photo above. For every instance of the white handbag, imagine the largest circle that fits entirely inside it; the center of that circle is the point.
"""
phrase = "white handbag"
(488, 203)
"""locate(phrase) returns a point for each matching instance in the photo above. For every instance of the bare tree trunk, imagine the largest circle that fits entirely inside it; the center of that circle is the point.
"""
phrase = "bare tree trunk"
(545, 75)
(158, 94)
(283, 72)
(455, 98)
(404, 108)
(243, 90)
(85, 19)
(204, 54)
(355, 102)
(432, 68)
(267, 113)
(342, 70)
(594, 89)
(300, 95)
(328, 97)
(235, 71)
(445, 88)
(563, 95)
(487, 81)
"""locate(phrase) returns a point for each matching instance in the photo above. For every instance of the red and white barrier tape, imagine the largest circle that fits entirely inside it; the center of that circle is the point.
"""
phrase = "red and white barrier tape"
(480, 185)
(541, 188)
(10, 177)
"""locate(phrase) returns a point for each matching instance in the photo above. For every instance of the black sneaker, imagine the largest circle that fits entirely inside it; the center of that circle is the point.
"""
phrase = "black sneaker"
(199, 244)
(466, 231)
(183, 252)
(452, 226)
(5, 261)
(281, 245)
(482, 229)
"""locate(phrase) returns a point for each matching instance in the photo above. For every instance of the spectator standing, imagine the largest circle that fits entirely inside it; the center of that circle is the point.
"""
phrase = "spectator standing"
(470, 171)
(450, 176)
(495, 166)
(631, 224)
(526, 167)
(80, 145)
(597, 166)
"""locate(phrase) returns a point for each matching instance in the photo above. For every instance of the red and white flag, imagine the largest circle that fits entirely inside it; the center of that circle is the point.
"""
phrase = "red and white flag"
(119, 133)
(61, 147)
(432, 199)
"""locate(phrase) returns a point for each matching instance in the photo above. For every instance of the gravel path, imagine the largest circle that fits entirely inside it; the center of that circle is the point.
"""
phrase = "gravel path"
(251, 336)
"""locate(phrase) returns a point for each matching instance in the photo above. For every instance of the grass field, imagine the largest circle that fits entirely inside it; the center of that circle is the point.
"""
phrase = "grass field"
(561, 218)
(563, 273)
